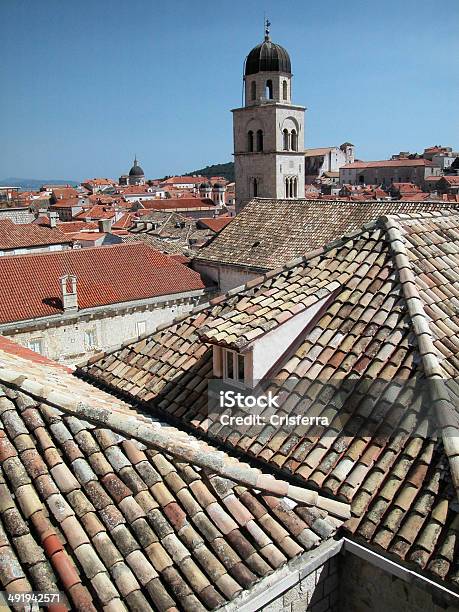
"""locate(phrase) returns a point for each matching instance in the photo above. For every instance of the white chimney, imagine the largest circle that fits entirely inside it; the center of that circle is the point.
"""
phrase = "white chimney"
(105, 226)
(53, 217)
(69, 294)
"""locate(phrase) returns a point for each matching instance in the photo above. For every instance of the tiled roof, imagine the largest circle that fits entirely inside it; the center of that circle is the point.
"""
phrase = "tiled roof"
(124, 222)
(393, 319)
(105, 275)
(99, 182)
(268, 233)
(215, 224)
(387, 163)
(68, 203)
(69, 227)
(15, 236)
(451, 180)
(178, 204)
(91, 236)
(182, 180)
(64, 193)
(318, 151)
(123, 512)
(98, 211)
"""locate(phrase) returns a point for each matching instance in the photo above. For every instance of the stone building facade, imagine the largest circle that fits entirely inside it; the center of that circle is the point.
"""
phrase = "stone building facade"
(268, 129)
(70, 338)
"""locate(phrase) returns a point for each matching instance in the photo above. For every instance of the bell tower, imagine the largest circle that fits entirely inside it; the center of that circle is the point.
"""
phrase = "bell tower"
(268, 130)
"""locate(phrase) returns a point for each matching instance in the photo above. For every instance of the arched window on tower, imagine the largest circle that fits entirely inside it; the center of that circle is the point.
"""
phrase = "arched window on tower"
(269, 89)
(250, 141)
(294, 141)
(259, 140)
(285, 139)
(285, 90)
(253, 90)
(287, 187)
(295, 188)
(255, 188)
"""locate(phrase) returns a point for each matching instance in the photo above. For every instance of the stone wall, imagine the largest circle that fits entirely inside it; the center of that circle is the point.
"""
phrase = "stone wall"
(70, 342)
(226, 276)
(17, 215)
(365, 587)
(318, 592)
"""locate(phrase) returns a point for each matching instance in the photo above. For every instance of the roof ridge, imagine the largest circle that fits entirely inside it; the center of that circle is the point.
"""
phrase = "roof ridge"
(193, 451)
(445, 413)
(251, 284)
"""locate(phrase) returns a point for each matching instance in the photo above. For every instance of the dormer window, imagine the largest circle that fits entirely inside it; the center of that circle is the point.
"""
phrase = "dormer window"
(234, 366)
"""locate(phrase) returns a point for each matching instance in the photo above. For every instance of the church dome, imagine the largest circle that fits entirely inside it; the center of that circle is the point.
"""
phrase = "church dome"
(205, 186)
(136, 170)
(267, 57)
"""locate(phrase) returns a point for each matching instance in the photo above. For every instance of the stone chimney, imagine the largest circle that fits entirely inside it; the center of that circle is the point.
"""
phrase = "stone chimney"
(105, 226)
(69, 294)
(53, 217)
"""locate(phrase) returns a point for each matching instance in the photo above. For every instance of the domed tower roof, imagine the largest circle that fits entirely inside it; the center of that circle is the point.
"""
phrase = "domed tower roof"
(267, 57)
(205, 186)
(136, 170)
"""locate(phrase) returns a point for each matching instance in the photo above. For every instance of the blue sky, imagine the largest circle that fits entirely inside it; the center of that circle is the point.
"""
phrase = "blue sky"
(86, 84)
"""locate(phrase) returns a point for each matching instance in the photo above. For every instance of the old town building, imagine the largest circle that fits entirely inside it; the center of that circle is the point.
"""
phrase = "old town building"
(268, 129)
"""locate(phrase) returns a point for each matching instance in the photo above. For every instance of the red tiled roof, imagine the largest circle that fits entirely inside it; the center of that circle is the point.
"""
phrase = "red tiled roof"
(96, 212)
(134, 189)
(406, 186)
(216, 224)
(64, 193)
(387, 163)
(15, 236)
(99, 181)
(183, 259)
(415, 197)
(66, 203)
(175, 203)
(182, 180)
(12, 348)
(124, 222)
(105, 275)
(87, 236)
(70, 227)
(451, 180)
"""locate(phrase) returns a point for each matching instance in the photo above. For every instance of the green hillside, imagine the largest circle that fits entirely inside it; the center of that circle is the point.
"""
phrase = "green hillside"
(225, 170)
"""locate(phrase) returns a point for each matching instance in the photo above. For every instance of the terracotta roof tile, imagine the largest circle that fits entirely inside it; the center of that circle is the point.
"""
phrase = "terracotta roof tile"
(175, 556)
(141, 272)
(381, 326)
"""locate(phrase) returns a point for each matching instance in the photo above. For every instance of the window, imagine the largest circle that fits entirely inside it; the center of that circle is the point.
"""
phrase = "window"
(255, 188)
(294, 141)
(36, 345)
(141, 327)
(285, 139)
(253, 90)
(269, 89)
(233, 366)
(90, 338)
(259, 140)
(250, 141)
(285, 90)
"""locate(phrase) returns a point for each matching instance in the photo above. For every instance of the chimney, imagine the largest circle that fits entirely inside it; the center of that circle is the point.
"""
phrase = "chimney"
(105, 226)
(53, 217)
(69, 294)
